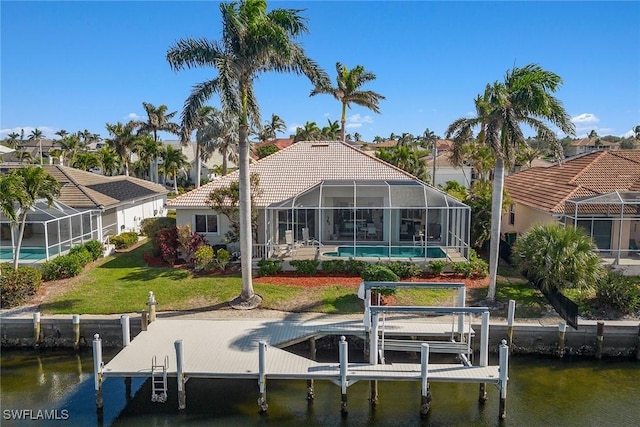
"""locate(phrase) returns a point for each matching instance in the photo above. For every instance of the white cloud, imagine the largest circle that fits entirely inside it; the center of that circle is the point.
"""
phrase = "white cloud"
(47, 131)
(628, 134)
(133, 116)
(357, 121)
(585, 119)
(326, 115)
(293, 128)
(420, 110)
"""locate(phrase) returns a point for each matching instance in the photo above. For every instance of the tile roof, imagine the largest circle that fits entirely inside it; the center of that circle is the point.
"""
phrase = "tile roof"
(86, 190)
(591, 142)
(299, 167)
(595, 173)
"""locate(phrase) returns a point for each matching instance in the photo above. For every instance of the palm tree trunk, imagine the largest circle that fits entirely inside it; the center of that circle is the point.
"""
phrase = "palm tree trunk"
(496, 216)
(40, 144)
(198, 165)
(16, 255)
(245, 216)
(175, 183)
(343, 120)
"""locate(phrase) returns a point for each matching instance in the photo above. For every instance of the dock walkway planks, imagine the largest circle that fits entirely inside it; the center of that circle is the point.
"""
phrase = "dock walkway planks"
(229, 349)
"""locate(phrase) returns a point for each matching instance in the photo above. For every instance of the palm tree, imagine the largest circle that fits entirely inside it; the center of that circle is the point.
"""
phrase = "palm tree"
(174, 162)
(70, 146)
(524, 97)
(34, 183)
(309, 132)
(219, 134)
(430, 139)
(108, 160)
(122, 141)
(148, 151)
(554, 256)
(11, 140)
(85, 161)
(202, 117)
(157, 120)
(348, 91)
(253, 42)
(331, 131)
(36, 136)
(636, 130)
(271, 128)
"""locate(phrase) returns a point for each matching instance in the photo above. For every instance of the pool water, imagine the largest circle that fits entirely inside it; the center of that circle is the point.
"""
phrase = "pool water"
(386, 252)
(25, 253)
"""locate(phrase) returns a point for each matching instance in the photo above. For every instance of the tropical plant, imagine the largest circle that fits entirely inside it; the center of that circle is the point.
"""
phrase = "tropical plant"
(122, 141)
(11, 140)
(226, 201)
(108, 160)
(173, 162)
(557, 257)
(253, 42)
(33, 184)
(348, 91)
(331, 131)
(266, 150)
(271, 128)
(148, 151)
(85, 161)
(158, 120)
(406, 158)
(219, 133)
(309, 132)
(525, 97)
(36, 136)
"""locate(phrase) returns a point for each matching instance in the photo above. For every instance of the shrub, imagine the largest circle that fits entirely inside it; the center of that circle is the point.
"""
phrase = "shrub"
(95, 249)
(462, 268)
(269, 267)
(380, 273)
(188, 242)
(124, 240)
(334, 266)
(223, 257)
(62, 267)
(354, 267)
(404, 269)
(437, 267)
(478, 267)
(203, 258)
(82, 253)
(16, 286)
(151, 226)
(167, 239)
(619, 292)
(307, 267)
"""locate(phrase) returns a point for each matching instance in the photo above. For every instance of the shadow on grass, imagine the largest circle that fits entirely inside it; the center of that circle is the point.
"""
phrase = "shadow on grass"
(128, 259)
(214, 307)
(65, 305)
(530, 303)
(145, 275)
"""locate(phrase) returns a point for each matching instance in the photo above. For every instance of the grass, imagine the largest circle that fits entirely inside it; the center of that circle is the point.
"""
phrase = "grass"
(121, 284)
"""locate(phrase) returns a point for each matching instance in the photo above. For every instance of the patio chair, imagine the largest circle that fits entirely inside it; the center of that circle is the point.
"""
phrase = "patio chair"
(434, 231)
(372, 231)
(288, 238)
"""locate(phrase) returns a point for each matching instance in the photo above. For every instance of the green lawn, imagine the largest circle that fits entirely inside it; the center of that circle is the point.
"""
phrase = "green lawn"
(121, 284)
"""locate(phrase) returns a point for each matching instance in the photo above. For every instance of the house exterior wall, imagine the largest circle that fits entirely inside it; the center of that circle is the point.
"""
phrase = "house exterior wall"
(128, 217)
(450, 173)
(525, 217)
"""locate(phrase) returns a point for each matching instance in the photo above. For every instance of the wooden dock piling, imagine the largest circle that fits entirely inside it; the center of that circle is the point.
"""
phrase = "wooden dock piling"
(638, 346)
(312, 356)
(182, 394)
(484, 353)
(36, 329)
(511, 313)
(126, 331)
(504, 378)
(425, 394)
(262, 376)
(144, 320)
(151, 302)
(97, 370)
(344, 362)
(562, 332)
(75, 321)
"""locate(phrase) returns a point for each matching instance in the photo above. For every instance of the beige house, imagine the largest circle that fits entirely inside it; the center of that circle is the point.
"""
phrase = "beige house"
(599, 192)
(331, 194)
(589, 145)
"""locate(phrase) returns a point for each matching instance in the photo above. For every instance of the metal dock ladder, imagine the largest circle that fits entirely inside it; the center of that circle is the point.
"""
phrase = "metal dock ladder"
(159, 380)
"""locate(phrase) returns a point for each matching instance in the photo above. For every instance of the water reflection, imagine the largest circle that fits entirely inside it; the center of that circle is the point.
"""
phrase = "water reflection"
(541, 392)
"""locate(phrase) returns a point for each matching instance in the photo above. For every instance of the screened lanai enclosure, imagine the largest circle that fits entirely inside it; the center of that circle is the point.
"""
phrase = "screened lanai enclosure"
(371, 219)
(612, 220)
(49, 231)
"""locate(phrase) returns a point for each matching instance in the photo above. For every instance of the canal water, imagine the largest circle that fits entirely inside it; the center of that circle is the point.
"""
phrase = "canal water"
(541, 392)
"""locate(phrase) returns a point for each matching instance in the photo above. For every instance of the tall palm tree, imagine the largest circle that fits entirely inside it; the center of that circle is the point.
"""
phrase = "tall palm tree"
(158, 120)
(122, 141)
(253, 42)
(219, 134)
(70, 146)
(525, 97)
(11, 140)
(309, 132)
(36, 136)
(348, 91)
(202, 117)
(34, 183)
(85, 161)
(148, 151)
(174, 162)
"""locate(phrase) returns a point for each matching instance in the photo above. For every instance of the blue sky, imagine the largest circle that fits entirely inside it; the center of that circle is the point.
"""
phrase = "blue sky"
(77, 65)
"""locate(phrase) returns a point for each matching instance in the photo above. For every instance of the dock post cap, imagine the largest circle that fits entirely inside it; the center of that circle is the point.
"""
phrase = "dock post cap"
(96, 337)
(343, 338)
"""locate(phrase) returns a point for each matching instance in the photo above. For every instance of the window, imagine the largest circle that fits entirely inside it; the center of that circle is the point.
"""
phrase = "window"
(206, 223)
(512, 214)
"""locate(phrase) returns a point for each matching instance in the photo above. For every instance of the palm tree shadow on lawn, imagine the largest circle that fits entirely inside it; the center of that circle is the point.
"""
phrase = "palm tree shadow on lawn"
(144, 275)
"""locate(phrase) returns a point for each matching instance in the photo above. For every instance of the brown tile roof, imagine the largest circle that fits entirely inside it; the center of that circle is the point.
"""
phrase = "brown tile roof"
(299, 167)
(591, 142)
(595, 173)
(280, 143)
(86, 190)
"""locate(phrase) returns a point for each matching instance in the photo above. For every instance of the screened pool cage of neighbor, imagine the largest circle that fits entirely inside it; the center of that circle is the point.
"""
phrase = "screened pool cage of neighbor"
(378, 218)
(49, 231)
(612, 220)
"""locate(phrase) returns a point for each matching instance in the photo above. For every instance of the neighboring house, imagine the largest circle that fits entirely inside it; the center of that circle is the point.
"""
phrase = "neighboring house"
(209, 169)
(588, 145)
(599, 191)
(90, 206)
(446, 171)
(279, 143)
(331, 193)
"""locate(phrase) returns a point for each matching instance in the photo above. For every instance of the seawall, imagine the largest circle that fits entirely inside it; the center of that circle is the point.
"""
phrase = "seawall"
(620, 338)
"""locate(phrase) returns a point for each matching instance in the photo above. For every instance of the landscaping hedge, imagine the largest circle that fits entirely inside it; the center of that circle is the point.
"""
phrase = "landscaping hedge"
(16, 286)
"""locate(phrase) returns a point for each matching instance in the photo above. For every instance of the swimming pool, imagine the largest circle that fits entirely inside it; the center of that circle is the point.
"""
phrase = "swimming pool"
(6, 254)
(386, 252)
